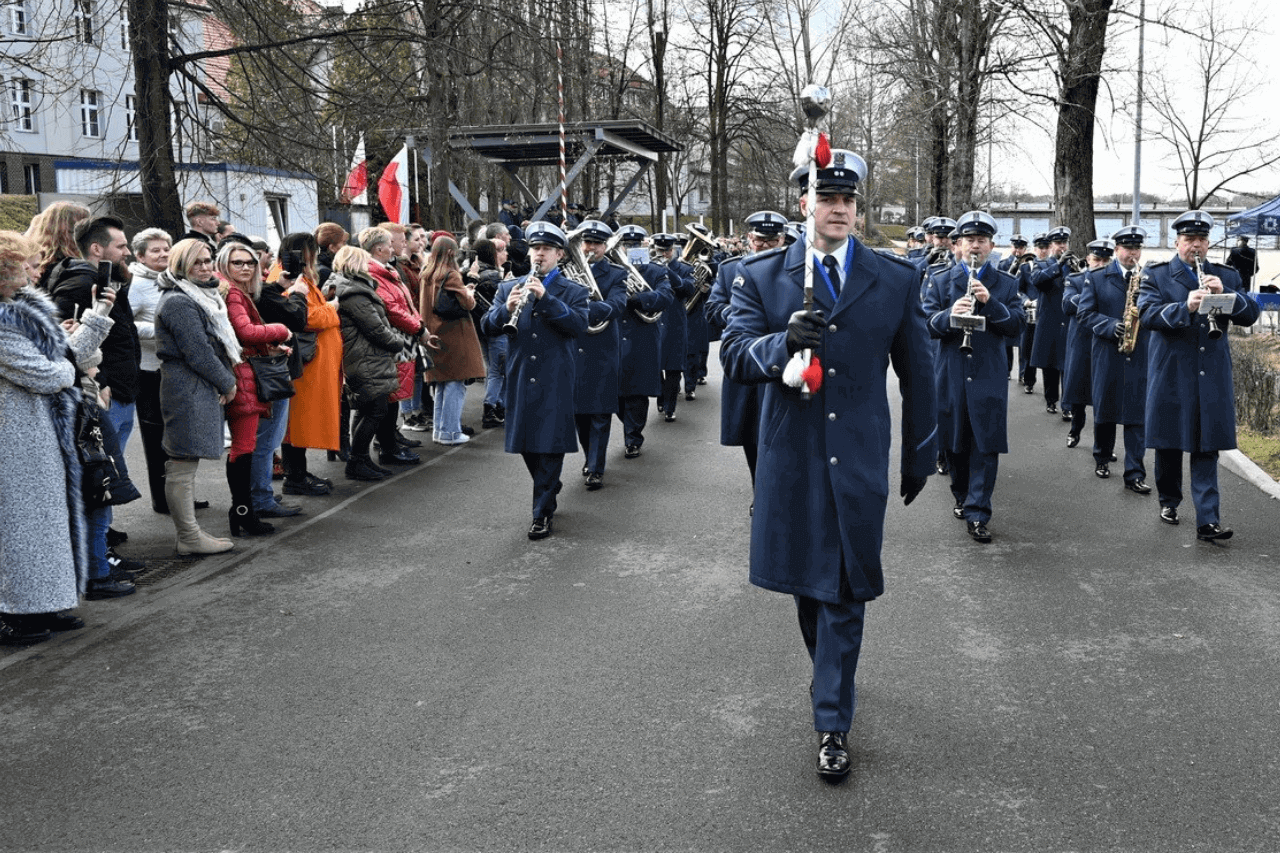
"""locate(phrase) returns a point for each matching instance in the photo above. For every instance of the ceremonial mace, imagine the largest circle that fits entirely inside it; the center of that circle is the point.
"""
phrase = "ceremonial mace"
(813, 151)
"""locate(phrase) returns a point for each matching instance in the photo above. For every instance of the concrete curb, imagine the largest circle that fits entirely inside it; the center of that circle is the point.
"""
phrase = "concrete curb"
(1245, 468)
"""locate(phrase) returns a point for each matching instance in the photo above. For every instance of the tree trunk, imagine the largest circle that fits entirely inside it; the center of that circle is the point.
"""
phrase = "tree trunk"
(1073, 148)
(149, 36)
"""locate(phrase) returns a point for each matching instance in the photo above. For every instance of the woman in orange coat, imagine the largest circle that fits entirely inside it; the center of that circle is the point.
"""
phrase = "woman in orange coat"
(314, 410)
(459, 359)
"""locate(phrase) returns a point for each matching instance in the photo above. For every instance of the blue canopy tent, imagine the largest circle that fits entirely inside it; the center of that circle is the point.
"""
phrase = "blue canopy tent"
(1262, 220)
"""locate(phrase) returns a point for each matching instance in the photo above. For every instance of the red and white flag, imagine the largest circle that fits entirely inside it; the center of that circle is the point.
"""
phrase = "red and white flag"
(354, 191)
(393, 188)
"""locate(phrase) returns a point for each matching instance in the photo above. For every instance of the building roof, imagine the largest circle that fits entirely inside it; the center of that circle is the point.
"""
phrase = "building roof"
(539, 144)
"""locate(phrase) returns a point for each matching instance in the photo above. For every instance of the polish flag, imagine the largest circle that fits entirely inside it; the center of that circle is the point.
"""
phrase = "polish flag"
(393, 188)
(354, 191)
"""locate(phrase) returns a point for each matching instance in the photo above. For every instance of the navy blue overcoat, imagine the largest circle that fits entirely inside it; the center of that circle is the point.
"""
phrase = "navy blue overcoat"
(640, 373)
(977, 383)
(739, 403)
(674, 324)
(1190, 402)
(599, 356)
(541, 365)
(1119, 379)
(1049, 347)
(822, 483)
(1076, 380)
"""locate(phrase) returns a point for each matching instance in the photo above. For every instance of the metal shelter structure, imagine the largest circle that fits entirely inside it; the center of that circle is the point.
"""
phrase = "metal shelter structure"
(516, 146)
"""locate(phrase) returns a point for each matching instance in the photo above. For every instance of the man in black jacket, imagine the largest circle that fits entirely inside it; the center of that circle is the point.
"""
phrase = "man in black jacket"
(203, 216)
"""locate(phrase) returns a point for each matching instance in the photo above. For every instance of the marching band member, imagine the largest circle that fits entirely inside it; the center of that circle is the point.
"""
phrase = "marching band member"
(823, 485)
(972, 369)
(1119, 376)
(1076, 381)
(550, 313)
(1031, 308)
(598, 358)
(673, 324)
(1010, 265)
(915, 242)
(640, 376)
(1190, 400)
(1049, 349)
(739, 402)
(699, 333)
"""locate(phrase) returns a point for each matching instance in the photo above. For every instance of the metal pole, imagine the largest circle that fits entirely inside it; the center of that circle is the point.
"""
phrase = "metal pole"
(1137, 131)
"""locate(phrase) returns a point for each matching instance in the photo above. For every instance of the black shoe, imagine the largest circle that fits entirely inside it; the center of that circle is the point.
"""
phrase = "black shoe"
(669, 417)
(586, 472)
(1052, 408)
(400, 457)
(942, 467)
(833, 756)
(56, 622)
(1073, 438)
(489, 423)
(1169, 514)
(103, 588)
(310, 485)
(122, 568)
(689, 395)
(979, 532)
(467, 431)
(540, 529)
(405, 441)
(1138, 487)
(361, 468)
(279, 510)
(337, 455)
(702, 380)
(1211, 532)
(1113, 457)
(1103, 471)
(116, 537)
(594, 481)
(1028, 389)
(19, 630)
(200, 504)
(958, 510)
(1066, 416)
(633, 450)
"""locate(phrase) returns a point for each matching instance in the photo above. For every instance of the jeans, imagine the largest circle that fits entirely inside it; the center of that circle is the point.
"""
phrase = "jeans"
(449, 397)
(99, 520)
(414, 403)
(121, 416)
(495, 380)
(270, 433)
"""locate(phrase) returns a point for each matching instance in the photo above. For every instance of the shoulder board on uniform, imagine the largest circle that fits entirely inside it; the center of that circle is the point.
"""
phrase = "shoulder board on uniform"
(896, 258)
(1163, 263)
(760, 256)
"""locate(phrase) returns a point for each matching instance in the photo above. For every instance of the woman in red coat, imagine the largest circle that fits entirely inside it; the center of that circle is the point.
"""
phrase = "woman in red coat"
(241, 274)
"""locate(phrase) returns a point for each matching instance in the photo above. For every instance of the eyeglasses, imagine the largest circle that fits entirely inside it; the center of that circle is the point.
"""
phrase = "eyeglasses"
(202, 262)
(242, 263)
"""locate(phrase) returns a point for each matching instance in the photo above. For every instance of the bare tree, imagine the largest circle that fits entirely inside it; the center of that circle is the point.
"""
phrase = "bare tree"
(1204, 113)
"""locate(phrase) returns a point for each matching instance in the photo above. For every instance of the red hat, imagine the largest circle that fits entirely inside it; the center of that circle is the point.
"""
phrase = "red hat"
(436, 234)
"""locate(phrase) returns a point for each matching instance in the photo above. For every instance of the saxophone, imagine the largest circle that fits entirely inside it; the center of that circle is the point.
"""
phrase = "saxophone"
(1131, 317)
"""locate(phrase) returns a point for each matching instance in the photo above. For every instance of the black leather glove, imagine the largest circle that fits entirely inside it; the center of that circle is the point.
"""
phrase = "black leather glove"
(633, 302)
(911, 486)
(804, 331)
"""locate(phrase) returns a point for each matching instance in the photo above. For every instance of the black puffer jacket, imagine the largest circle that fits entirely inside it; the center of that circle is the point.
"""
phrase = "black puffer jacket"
(71, 286)
(370, 343)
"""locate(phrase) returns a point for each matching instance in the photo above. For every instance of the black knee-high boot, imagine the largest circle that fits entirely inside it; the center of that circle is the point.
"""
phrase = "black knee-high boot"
(242, 515)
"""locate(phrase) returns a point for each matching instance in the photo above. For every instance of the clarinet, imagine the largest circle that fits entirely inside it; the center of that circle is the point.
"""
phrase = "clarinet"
(511, 327)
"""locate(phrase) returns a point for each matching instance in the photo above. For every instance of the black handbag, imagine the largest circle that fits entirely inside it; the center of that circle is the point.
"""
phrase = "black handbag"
(448, 307)
(98, 469)
(272, 375)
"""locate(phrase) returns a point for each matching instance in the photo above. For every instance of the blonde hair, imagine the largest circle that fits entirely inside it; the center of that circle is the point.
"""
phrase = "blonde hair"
(351, 260)
(184, 254)
(223, 265)
(371, 237)
(53, 231)
(15, 249)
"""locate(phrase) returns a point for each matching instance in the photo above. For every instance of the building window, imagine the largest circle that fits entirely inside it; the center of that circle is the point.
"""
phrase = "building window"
(83, 12)
(90, 124)
(20, 104)
(31, 177)
(124, 27)
(130, 117)
(18, 17)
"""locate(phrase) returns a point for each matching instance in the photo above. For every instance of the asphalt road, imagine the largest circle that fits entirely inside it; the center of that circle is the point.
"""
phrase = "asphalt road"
(402, 670)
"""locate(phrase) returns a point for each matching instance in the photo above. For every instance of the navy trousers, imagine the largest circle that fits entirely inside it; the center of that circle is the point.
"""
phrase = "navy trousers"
(593, 435)
(633, 411)
(833, 637)
(1135, 446)
(545, 469)
(1204, 482)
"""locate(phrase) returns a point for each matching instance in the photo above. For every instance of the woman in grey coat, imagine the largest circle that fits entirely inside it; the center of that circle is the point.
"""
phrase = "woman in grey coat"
(370, 346)
(44, 555)
(197, 347)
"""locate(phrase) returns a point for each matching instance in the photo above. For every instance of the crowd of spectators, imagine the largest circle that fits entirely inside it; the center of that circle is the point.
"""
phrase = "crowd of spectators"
(97, 330)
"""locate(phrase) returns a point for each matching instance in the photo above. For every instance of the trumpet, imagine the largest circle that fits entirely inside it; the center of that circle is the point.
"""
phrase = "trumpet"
(512, 327)
(969, 321)
(1215, 331)
(635, 281)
